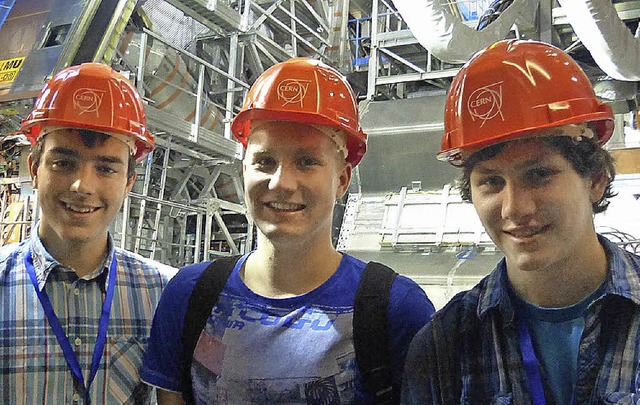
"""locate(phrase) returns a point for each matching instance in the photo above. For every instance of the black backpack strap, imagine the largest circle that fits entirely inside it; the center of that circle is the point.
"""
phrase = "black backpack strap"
(371, 333)
(201, 302)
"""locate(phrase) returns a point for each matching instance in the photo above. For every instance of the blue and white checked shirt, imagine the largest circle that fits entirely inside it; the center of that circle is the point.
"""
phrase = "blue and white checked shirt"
(470, 353)
(33, 369)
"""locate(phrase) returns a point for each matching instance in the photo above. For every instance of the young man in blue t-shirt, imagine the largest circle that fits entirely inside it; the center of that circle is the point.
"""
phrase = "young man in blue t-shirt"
(282, 328)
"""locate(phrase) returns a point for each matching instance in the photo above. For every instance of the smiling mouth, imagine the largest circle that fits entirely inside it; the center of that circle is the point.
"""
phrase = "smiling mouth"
(526, 233)
(79, 209)
(288, 207)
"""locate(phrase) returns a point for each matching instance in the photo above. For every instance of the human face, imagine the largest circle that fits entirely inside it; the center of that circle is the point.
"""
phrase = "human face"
(535, 206)
(292, 176)
(80, 188)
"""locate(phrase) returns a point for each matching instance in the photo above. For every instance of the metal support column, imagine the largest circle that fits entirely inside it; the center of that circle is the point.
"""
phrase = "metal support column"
(373, 55)
(156, 222)
(143, 203)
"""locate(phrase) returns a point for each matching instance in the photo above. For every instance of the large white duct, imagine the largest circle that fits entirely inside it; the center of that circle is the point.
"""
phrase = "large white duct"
(611, 43)
(448, 38)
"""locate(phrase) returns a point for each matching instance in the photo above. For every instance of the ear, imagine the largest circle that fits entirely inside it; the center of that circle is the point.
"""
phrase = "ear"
(345, 179)
(130, 181)
(598, 186)
(33, 171)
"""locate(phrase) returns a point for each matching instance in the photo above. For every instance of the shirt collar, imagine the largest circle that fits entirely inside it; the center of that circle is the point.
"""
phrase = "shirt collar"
(623, 279)
(44, 263)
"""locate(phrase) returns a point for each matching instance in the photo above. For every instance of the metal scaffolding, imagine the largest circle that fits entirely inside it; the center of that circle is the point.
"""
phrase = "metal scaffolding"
(193, 62)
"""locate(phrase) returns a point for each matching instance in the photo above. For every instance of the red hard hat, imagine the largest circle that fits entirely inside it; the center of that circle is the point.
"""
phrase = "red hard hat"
(513, 88)
(308, 91)
(91, 96)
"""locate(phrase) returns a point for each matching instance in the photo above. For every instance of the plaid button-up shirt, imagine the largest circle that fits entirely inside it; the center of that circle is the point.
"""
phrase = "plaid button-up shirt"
(33, 369)
(470, 353)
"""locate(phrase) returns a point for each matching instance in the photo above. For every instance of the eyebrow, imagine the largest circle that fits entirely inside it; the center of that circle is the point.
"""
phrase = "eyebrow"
(261, 151)
(60, 150)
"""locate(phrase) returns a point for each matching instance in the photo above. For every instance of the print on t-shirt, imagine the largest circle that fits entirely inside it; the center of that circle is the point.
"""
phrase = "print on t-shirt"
(245, 354)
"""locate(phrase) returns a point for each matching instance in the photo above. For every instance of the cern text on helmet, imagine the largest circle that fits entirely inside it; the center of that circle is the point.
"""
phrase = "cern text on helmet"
(485, 103)
(293, 91)
(87, 100)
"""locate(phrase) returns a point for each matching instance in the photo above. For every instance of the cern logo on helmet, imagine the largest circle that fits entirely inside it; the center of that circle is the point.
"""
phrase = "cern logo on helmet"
(87, 100)
(293, 91)
(485, 103)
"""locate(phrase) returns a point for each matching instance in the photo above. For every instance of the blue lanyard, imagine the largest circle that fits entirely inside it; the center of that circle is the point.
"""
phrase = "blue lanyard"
(63, 340)
(531, 365)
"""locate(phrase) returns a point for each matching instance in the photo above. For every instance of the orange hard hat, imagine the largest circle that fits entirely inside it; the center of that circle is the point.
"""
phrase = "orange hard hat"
(91, 96)
(513, 88)
(308, 91)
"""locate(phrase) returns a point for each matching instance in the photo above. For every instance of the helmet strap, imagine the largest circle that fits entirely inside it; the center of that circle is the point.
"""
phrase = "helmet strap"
(127, 140)
(338, 136)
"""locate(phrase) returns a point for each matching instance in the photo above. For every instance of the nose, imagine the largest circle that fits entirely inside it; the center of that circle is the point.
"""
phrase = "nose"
(283, 178)
(517, 202)
(84, 180)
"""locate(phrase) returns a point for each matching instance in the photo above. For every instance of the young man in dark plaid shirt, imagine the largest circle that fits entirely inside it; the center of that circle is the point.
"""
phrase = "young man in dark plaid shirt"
(558, 320)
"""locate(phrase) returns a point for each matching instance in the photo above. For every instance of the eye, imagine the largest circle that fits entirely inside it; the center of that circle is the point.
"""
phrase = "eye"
(106, 169)
(62, 164)
(491, 182)
(539, 175)
(264, 161)
(308, 161)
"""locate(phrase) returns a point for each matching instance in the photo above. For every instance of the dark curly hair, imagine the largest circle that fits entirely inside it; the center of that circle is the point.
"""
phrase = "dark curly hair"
(90, 139)
(587, 158)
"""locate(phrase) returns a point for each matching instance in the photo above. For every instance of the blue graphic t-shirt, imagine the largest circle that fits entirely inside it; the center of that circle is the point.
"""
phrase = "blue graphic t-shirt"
(298, 350)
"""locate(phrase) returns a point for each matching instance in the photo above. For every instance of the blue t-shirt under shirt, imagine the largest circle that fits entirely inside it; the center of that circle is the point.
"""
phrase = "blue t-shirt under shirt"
(555, 335)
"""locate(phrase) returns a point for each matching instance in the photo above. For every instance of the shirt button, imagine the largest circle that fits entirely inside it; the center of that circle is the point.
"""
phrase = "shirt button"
(78, 341)
(76, 397)
(76, 291)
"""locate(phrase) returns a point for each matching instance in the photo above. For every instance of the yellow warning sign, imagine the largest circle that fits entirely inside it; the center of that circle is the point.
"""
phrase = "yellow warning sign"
(9, 69)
